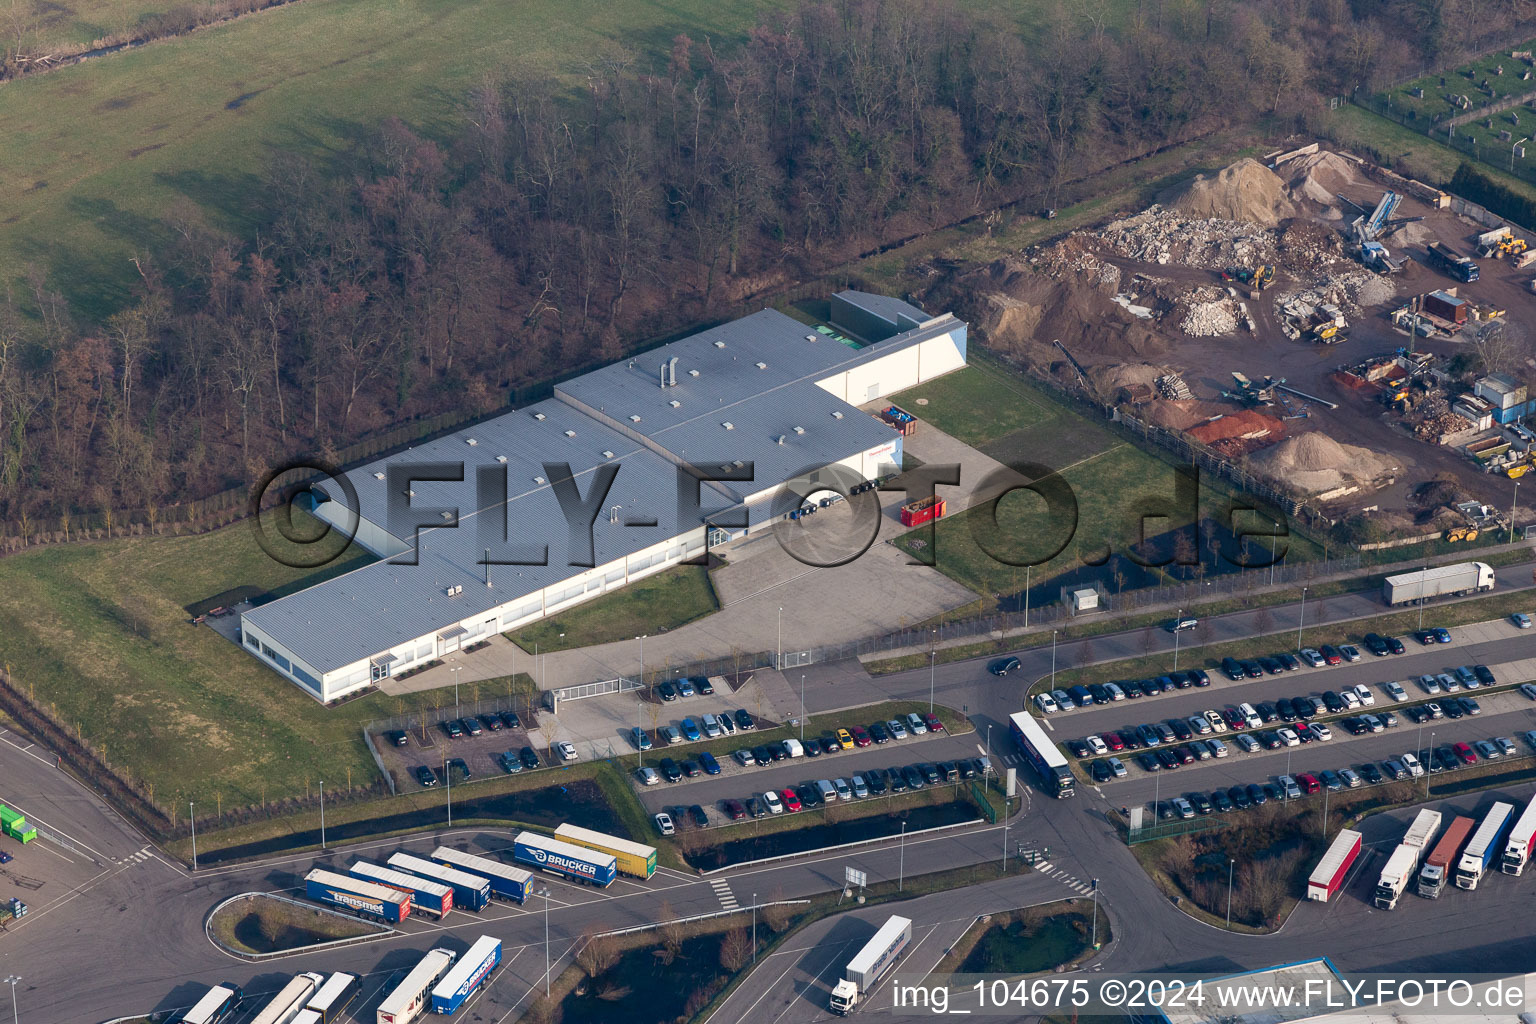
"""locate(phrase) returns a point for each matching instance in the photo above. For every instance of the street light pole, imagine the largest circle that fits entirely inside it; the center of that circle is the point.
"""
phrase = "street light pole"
(545, 894)
(1429, 750)
(778, 663)
(1421, 596)
(1095, 940)
(1176, 631)
(1026, 597)
(12, 980)
(1231, 863)
(754, 928)
(901, 863)
(1053, 659)
(1514, 503)
(933, 661)
(192, 817)
(641, 726)
(802, 708)
(1301, 621)
(322, 814)
(457, 708)
(448, 778)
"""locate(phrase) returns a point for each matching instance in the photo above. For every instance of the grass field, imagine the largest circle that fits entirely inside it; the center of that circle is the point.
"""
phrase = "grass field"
(63, 23)
(977, 404)
(101, 632)
(1464, 81)
(655, 604)
(1433, 161)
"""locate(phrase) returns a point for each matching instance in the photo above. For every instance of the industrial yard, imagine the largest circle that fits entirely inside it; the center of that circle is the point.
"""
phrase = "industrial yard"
(1304, 319)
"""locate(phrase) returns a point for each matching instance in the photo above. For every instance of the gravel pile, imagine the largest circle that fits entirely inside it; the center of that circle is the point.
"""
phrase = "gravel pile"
(1246, 191)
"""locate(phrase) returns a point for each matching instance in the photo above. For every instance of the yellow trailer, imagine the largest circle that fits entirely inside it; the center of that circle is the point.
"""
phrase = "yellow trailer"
(633, 858)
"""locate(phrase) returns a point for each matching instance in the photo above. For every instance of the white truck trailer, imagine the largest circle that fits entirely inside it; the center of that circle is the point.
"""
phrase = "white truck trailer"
(870, 963)
(1405, 859)
(1437, 581)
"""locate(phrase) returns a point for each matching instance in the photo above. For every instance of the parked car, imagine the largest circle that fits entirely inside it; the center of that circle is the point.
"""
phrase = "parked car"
(671, 734)
(918, 727)
(666, 691)
(1521, 619)
(640, 740)
(691, 730)
(744, 721)
(1484, 674)
(685, 687)
(567, 750)
(734, 809)
(1464, 753)
(1350, 652)
(791, 800)
(1442, 635)
(704, 686)
(1331, 654)
(511, 765)
(1046, 703)
(530, 758)
(425, 777)
(899, 728)
(708, 763)
(1221, 801)
(510, 720)
(700, 819)
(664, 823)
(646, 775)
(1239, 797)
(453, 729)
(1331, 780)
(491, 722)
(458, 764)
(1313, 657)
(1377, 644)
(932, 721)
(1395, 690)
(472, 726)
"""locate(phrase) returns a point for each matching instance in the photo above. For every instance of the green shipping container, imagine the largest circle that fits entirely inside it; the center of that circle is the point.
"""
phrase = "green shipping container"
(9, 817)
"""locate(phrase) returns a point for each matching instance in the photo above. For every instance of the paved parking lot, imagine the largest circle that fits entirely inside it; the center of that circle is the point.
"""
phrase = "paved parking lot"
(738, 783)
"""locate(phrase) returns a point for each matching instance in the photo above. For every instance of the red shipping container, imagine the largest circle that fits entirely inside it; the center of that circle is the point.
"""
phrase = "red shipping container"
(1330, 871)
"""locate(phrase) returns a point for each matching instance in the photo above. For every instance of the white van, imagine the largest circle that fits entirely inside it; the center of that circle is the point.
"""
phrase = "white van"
(1250, 715)
(793, 748)
(827, 790)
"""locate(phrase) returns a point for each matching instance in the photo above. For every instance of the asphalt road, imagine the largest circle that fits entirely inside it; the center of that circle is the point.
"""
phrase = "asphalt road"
(139, 923)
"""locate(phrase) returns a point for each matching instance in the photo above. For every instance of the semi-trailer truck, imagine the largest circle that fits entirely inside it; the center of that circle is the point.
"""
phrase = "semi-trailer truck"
(408, 999)
(428, 896)
(1330, 871)
(1437, 581)
(506, 881)
(632, 858)
(1486, 845)
(215, 1005)
(1437, 868)
(1405, 859)
(870, 963)
(1517, 848)
(289, 1000)
(566, 859)
(1443, 258)
(467, 975)
(470, 891)
(366, 898)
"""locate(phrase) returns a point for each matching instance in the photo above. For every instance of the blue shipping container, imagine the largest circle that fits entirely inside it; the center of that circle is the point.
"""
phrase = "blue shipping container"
(564, 858)
(466, 975)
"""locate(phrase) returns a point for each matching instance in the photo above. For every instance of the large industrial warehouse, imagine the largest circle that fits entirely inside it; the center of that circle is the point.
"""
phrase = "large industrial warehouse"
(765, 392)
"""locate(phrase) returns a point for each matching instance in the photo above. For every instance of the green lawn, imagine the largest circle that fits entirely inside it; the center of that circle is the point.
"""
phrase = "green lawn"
(653, 605)
(56, 24)
(1458, 82)
(101, 632)
(977, 404)
(1418, 154)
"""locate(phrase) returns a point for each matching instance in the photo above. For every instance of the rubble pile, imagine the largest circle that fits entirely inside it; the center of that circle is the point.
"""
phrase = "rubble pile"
(1350, 287)
(1209, 319)
(1321, 176)
(1160, 235)
(1307, 245)
(1435, 426)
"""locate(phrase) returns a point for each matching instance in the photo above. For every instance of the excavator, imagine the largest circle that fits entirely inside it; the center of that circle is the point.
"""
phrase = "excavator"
(1257, 278)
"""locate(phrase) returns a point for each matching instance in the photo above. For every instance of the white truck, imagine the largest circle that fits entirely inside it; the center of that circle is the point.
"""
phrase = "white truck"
(870, 963)
(1405, 859)
(1437, 581)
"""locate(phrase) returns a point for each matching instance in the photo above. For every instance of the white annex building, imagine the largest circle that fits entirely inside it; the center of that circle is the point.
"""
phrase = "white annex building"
(764, 393)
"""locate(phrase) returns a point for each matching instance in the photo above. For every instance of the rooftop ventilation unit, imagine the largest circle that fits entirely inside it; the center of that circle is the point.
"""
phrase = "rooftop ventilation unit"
(725, 467)
(451, 591)
(669, 373)
(607, 454)
(719, 344)
(410, 494)
(693, 373)
(799, 430)
(538, 480)
(728, 425)
(378, 476)
(501, 458)
(539, 416)
(762, 366)
(471, 441)
(836, 415)
(447, 516)
(675, 404)
(810, 337)
(635, 418)
(738, 463)
(779, 439)
(570, 433)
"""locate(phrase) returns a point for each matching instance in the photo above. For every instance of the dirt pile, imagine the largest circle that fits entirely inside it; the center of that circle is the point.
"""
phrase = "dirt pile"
(1111, 378)
(1307, 245)
(1246, 191)
(1320, 177)
(1020, 310)
(1247, 425)
(1314, 463)
(1407, 235)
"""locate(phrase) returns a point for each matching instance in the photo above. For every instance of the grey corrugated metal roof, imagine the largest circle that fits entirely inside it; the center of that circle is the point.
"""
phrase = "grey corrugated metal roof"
(885, 307)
